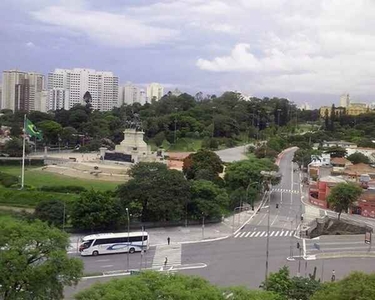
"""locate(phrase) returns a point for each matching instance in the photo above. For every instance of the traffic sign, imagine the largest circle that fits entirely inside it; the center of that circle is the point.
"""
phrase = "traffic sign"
(317, 246)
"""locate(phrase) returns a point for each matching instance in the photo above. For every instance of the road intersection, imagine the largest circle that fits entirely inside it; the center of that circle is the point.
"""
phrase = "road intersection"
(240, 259)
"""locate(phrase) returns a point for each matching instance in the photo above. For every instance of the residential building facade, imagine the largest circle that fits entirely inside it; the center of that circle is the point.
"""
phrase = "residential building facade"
(355, 109)
(154, 92)
(129, 94)
(21, 91)
(66, 88)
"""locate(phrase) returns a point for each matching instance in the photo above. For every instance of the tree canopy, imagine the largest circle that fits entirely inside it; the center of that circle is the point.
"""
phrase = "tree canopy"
(155, 193)
(95, 210)
(342, 196)
(33, 261)
(357, 285)
(358, 157)
(154, 286)
(202, 160)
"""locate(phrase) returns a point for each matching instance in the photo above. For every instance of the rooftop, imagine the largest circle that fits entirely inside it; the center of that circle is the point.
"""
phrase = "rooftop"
(332, 179)
(358, 169)
(340, 161)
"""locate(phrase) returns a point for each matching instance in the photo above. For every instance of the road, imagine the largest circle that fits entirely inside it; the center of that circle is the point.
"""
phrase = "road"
(233, 154)
(241, 259)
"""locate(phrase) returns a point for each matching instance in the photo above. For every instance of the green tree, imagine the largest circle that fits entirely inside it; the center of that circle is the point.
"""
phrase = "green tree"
(50, 130)
(155, 193)
(151, 285)
(357, 285)
(202, 160)
(33, 261)
(336, 151)
(207, 199)
(291, 288)
(240, 174)
(95, 210)
(13, 147)
(50, 211)
(68, 135)
(342, 196)
(358, 157)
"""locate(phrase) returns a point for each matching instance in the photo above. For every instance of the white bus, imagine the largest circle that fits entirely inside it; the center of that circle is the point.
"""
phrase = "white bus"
(105, 243)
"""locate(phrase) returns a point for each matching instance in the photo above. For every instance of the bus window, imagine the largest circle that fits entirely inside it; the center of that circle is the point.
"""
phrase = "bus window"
(85, 245)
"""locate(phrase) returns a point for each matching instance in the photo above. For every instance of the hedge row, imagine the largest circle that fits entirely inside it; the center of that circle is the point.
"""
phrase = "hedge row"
(8, 180)
(18, 162)
(74, 189)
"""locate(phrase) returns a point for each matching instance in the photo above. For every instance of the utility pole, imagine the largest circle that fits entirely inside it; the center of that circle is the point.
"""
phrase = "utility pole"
(127, 256)
(175, 125)
(202, 225)
(268, 235)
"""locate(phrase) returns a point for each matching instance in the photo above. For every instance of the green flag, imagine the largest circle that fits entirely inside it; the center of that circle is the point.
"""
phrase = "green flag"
(31, 130)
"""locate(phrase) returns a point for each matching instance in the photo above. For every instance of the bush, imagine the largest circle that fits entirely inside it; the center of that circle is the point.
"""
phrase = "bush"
(18, 162)
(8, 180)
(74, 189)
(50, 211)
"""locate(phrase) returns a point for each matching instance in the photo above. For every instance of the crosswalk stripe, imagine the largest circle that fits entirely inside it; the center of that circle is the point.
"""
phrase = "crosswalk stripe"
(277, 233)
(253, 234)
(286, 233)
(282, 233)
(237, 234)
(291, 233)
(272, 233)
(248, 234)
(262, 234)
(258, 233)
(242, 234)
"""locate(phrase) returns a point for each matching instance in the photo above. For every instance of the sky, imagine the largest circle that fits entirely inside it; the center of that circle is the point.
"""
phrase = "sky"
(308, 51)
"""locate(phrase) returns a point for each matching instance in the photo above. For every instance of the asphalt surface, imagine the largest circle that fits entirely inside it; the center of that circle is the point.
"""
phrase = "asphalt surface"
(241, 259)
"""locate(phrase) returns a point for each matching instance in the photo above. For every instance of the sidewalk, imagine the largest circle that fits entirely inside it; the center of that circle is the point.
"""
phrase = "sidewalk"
(190, 234)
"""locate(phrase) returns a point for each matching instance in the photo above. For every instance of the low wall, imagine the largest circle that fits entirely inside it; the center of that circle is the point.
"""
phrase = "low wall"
(317, 202)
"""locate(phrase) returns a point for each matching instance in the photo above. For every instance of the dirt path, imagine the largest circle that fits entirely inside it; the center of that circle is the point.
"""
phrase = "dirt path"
(17, 209)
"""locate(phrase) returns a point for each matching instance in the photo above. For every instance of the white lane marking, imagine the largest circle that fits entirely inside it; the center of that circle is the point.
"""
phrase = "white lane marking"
(304, 247)
(291, 233)
(243, 233)
(261, 220)
(286, 233)
(107, 266)
(258, 233)
(237, 234)
(262, 234)
(253, 234)
(277, 233)
(281, 233)
(102, 260)
(272, 233)
(248, 234)
(274, 220)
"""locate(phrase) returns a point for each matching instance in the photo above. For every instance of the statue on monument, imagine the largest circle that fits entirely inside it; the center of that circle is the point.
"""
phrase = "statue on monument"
(134, 123)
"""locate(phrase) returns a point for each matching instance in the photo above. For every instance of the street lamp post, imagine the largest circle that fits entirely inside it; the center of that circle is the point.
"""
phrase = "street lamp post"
(127, 256)
(203, 226)
(247, 193)
(175, 125)
(268, 176)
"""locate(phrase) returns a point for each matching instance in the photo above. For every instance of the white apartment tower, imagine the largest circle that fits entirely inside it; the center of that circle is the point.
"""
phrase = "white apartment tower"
(154, 91)
(345, 100)
(67, 88)
(21, 91)
(129, 94)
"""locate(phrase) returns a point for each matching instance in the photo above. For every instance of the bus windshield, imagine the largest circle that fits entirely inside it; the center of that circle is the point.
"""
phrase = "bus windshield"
(85, 245)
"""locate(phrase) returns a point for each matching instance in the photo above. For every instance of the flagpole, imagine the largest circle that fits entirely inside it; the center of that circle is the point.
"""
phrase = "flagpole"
(23, 153)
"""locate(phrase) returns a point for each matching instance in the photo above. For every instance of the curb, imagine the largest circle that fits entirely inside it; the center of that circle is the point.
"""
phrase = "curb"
(345, 255)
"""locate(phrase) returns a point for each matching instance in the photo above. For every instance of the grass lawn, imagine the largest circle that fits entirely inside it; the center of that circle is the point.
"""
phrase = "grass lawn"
(38, 178)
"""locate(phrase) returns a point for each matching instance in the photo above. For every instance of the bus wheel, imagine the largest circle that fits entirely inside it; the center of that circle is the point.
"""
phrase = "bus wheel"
(95, 253)
(131, 250)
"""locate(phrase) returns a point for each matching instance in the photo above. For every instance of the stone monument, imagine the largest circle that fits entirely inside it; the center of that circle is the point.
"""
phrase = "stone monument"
(133, 148)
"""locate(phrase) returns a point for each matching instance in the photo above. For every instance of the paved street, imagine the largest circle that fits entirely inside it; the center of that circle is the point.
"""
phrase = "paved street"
(241, 258)
(232, 154)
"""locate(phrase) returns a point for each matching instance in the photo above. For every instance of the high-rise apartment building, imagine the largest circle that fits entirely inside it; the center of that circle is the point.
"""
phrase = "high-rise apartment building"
(66, 88)
(154, 92)
(129, 94)
(21, 91)
(345, 100)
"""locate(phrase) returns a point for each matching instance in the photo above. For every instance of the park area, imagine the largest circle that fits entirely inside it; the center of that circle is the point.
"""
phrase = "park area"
(35, 179)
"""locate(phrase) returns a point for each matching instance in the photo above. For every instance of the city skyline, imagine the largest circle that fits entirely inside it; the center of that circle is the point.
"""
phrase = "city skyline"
(304, 53)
